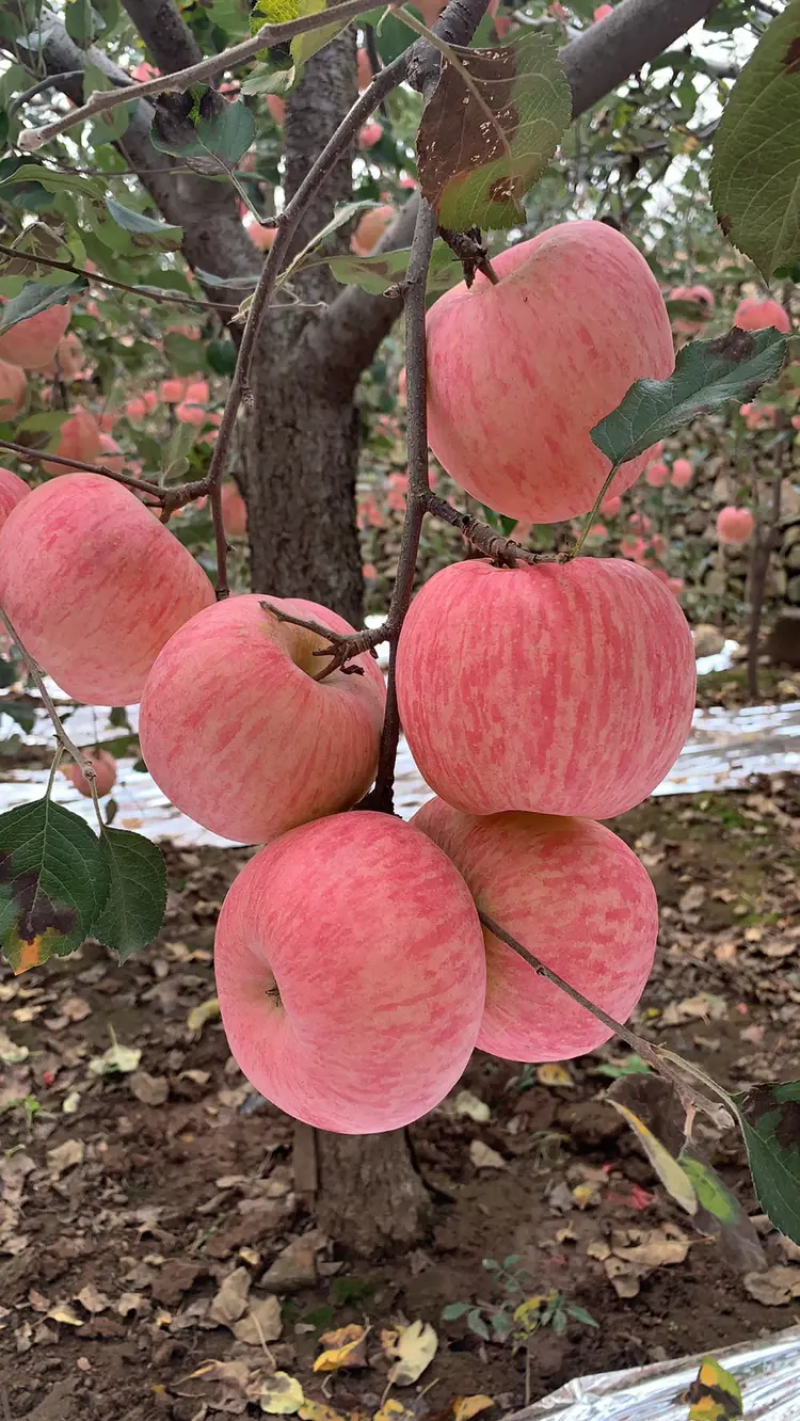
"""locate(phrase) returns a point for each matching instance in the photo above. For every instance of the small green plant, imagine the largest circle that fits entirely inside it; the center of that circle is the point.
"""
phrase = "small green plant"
(519, 1314)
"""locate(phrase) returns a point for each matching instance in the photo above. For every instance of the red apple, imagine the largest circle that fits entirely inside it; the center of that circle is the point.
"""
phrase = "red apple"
(578, 898)
(277, 109)
(602, 12)
(251, 758)
(755, 315)
(682, 473)
(78, 438)
(187, 413)
(519, 373)
(553, 689)
(261, 237)
(370, 229)
(735, 525)
(364, 70)
(656, 474)
(106, 773)
(33, 343)
(172, 391)
(234, 511)
(95, 585)
(12, 491)
(351, 973)
(370, 134)
(13, 384)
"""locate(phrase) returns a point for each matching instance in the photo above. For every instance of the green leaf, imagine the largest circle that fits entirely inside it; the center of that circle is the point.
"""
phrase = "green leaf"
(175, 463)
(581, 1315)
(54, 880)
(476, 160)
(453, 1311)
(24, 715)
(384, 269)
(146, 230)
(221, 356)
(216, 143)
(706, 374)
(184, 355)
(770, 1119)
(79, 22)
(269, 79)
(37, 296)
(755, 173)
(108, 126)
(55, 182)
(137, 896)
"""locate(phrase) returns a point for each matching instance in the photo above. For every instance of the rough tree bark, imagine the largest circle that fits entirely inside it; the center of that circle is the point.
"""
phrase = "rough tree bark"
(300, 437)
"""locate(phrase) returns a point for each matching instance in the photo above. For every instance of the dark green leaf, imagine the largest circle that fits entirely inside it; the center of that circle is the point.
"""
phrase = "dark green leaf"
(79, 22)
(215, 144)
(37, 296)
(137, 897)
(221, 356)
(147, 230)
(56, 182)
(476, 1324)
(477, 159)
(269, 79)
(453, 1311)
(756, 165)
(209, 279)
(770, 1119)
(25, 716)
(707, 373)
(384, 269)
(184, 355)
(54, 880)
(581, 1315)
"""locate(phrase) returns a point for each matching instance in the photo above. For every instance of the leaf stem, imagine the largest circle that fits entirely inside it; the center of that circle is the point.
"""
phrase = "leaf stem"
(590, 517)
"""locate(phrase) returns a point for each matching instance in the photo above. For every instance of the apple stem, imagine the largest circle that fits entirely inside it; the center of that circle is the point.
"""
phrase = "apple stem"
(503, 551)
(653, 1055)
(472, 254)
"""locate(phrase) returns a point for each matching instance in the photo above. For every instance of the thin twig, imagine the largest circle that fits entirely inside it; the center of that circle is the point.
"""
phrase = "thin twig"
(150, 293)
(38, 455)
(414, 287)
(182, 79)
(342, 646)
(648, 1052)
(480, 536)
(63, 739)
(50, 81)
(220, 541)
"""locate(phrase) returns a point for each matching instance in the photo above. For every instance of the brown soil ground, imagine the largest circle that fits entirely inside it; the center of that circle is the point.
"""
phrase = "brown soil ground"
(173, 1178)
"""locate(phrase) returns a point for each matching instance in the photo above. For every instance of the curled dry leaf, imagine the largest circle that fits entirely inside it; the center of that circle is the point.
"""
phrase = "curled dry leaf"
(206, 1011)
(64, 1157)
(344, 1347)
(472, 1106)
(775, 1288)
(411, 1350)
(65, 1312)
(92, 1299)
(262, 1323)
(484, 1157)
(465, 1407)
(553, 1074)
(281, 1395)
(151, 1090)
(230, 1302)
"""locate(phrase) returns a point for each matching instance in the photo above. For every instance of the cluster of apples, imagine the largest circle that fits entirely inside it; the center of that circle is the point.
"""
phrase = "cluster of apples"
(353, 972)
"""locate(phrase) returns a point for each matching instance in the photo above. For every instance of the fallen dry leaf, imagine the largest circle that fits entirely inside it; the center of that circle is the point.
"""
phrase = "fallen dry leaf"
(775, 1288)
(64, 1157)
(484, 1157)
(553, 1074)
(230, 1302)
(206, 1011)
(472, 1106)
(130, 1302)
(465, 1407)
(65, 1312)
(117, 1060)
(411, 1350)
(93, 1300)
(344, 1347)
(281, 1395)
(10, 1053)
(318, 1411)
(151, 1090)
(654, 1248)
(262, 1323)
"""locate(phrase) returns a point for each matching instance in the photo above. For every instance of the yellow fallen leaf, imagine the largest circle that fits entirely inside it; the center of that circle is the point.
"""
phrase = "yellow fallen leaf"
(64, 1312)
(281, 1395)
(394, 1411)
(198, 1016)
(584, 1195)
(318, 1411)
(553, 1074)
(672, 1175)
(345, 1347)
(465, 1407)
(526, 1314)
(714, 1394)
(413, 1351)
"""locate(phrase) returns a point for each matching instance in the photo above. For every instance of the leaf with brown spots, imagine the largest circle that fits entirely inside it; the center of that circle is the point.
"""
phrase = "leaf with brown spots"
(706, 374)
(755, 174)
(480, 147)
(714, 1394)
(54, 880)
(770, 1119)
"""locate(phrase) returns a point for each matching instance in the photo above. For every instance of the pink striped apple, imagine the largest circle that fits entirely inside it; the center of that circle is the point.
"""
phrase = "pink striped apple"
(13, 385)
(95, 585)
(12, 491)
(578, 898)
(755, 315)
(33, 343)
(735, 525)
(253, 757)
(682, 473)
(520, 372)
(105, 767)
(370, 229)
(351, 973)
(79, 438)
(553, 689)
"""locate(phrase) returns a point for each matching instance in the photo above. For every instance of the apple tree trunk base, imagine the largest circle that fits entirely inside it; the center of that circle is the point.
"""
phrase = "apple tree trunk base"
(371, 1198)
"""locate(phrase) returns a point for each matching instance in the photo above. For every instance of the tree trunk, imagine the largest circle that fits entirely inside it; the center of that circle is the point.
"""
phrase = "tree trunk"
(300, 459)
(371, 1198)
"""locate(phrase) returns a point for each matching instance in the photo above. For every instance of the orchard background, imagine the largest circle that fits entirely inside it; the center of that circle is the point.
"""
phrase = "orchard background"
(168, 1239)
